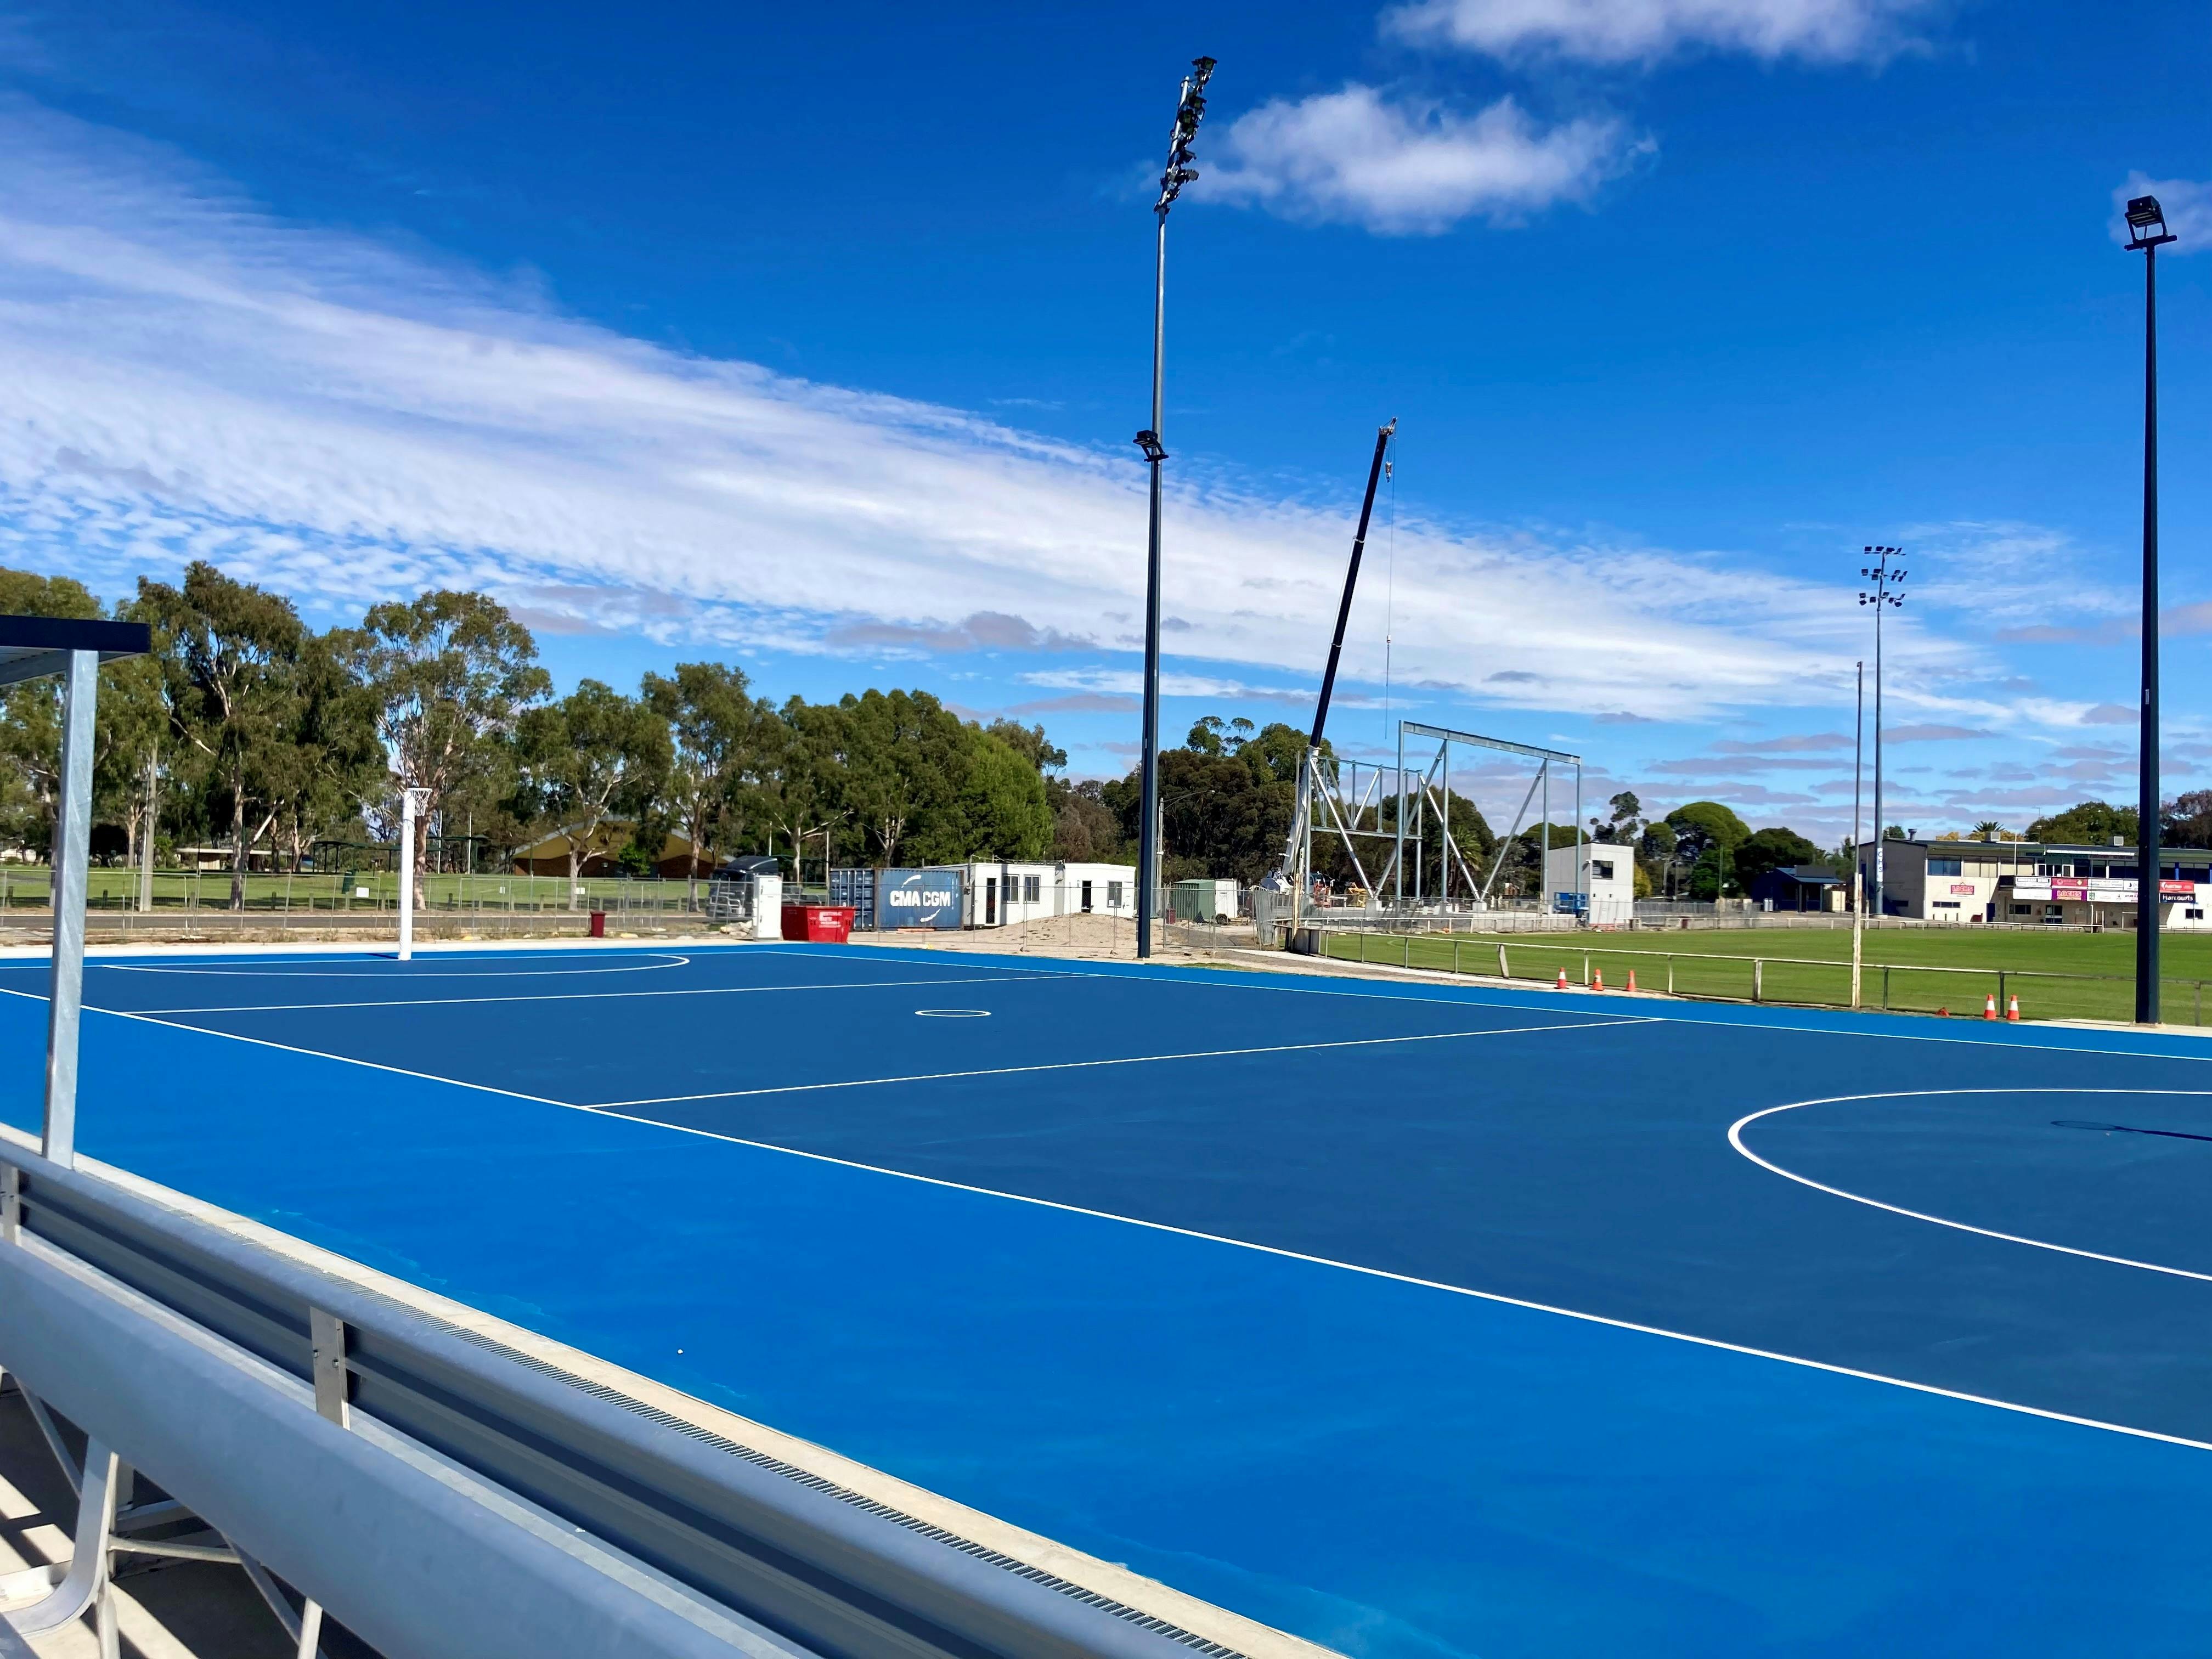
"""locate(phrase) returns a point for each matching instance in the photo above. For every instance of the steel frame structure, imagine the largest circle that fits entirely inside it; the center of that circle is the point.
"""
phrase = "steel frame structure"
(1417, 790)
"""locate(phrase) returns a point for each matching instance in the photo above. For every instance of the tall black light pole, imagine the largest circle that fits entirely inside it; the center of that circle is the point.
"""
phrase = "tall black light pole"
(2147, 225)
(1886, 578)
(1188, 114)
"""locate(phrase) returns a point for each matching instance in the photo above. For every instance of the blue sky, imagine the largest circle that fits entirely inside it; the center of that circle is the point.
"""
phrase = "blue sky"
(816, 344)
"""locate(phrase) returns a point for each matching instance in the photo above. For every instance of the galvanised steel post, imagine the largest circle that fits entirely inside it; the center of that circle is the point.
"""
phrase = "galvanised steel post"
(72, 852)
(1188, 113)
(1858, 869)
(2148, 224)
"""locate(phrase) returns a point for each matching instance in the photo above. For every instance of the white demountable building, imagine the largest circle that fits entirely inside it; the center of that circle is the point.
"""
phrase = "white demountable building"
(1001, 892)
(1608, 879)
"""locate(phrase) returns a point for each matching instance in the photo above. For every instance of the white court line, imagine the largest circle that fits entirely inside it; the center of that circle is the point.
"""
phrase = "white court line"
(574, 996)
(1429, 1284)
(1735, 1139)
(1213, 1238)
(313, 1054)
(668, 959)
(1119, 1060)
(1482, 995)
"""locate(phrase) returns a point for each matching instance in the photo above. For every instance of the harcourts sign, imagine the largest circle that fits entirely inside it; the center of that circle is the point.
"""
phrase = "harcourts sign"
(918, 899)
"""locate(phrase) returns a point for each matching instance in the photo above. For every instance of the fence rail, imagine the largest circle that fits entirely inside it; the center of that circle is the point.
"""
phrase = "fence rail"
(1805, 981)
(31, 888)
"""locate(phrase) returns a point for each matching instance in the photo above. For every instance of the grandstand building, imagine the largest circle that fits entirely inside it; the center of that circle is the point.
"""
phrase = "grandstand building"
(2023, 882)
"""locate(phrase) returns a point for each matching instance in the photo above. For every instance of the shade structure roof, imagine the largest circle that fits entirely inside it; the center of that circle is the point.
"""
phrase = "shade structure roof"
(30, 647)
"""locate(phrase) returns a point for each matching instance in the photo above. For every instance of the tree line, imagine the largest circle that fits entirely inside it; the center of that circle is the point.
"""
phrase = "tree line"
(248, 730)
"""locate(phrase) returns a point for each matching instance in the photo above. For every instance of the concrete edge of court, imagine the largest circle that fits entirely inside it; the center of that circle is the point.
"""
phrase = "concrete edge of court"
(1201, 1618)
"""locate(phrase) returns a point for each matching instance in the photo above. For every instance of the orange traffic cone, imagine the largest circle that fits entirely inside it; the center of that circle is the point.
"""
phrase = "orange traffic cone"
(1990, 1005)
(1631, 981)
(1597, 979)
(1562, 985)
(2012, 1008)
(1943, 1013)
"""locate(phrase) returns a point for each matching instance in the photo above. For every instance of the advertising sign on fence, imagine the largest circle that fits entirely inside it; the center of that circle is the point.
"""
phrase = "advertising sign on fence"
(918, 899)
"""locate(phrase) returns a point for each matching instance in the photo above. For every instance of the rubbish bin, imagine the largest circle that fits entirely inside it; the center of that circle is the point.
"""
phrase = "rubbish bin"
(598, 924)
(818, 924)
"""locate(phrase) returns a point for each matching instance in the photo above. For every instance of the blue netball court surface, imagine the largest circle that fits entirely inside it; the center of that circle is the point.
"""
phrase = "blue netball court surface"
(1418, 1320)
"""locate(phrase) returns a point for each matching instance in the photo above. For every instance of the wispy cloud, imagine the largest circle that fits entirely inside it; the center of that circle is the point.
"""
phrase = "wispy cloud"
(1408, 165)
(1933, 733)
(1644, 30)
(987, 630)
(191, 378)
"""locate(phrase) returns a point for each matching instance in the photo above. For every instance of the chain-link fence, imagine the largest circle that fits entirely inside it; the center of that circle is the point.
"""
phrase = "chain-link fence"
(30, 887)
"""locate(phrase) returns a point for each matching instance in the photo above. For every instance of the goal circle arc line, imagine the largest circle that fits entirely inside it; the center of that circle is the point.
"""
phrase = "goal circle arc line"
(1735, 1139)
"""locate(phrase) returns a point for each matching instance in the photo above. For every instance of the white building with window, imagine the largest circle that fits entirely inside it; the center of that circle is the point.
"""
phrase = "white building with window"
(1001, 892)
(1608, 878)
(2024, 882)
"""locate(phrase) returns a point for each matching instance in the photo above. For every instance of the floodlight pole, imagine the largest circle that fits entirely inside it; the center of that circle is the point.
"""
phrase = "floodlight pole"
(1885, 579)
(1189, 111)
(72, 854)
(2142, 214)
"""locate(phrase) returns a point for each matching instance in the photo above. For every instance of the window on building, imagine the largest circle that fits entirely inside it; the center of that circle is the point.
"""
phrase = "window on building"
(1601, 869)
(1944, 904)
(2193, 915)
(1113, 896)
(1029, 889)
(2023, 909)
(1944, 867)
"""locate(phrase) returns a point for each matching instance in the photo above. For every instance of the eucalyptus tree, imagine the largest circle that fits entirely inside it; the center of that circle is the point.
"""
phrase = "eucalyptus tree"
(592, 756)
(31, 711)
(448, 676)
(723, 739)
(235, 689)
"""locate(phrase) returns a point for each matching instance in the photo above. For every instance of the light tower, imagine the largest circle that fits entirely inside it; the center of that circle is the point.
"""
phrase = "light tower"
(1884, 596)
(1190, 110)
(2148, 232)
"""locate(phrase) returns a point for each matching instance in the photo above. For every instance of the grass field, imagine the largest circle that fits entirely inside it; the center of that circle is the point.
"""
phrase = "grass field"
(2055, 975)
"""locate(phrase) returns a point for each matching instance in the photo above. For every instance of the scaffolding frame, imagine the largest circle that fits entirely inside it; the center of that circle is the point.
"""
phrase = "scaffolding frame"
(1417, 791)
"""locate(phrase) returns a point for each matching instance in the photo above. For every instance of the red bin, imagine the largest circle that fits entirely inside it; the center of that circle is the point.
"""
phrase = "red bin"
(818, 924)
(598, 924)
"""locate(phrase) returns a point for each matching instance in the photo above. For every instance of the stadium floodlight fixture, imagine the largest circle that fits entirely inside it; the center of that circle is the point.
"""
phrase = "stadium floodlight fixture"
(2146, 234)
(1190, 110)
(2142, 213)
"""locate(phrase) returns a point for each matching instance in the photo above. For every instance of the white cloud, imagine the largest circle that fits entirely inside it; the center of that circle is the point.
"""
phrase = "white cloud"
(2187, 204)
(1358, 157)
(188, 378)
(1632, 31)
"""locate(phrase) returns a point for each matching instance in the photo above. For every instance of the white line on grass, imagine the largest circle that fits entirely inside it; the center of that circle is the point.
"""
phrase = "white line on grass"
(1496, 1296)
(579, 996)
(1119, 1060)
(1735, 1139)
